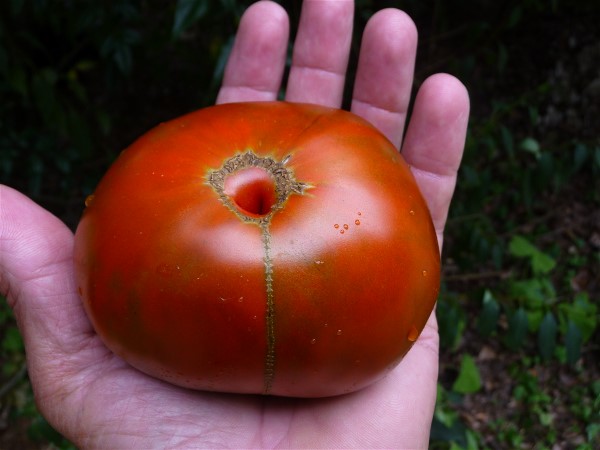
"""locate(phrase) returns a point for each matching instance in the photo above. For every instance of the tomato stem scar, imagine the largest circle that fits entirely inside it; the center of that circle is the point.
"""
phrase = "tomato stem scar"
(238, 172)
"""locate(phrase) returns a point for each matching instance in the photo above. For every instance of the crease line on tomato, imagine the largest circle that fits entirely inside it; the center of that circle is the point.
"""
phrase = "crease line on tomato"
(269, 367)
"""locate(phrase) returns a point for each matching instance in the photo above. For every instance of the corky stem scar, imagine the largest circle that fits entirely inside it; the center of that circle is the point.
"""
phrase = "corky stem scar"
(254, 188)
(282, 179)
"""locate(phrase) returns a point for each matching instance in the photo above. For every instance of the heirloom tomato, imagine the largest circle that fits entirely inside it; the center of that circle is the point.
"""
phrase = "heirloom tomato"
(269, 248)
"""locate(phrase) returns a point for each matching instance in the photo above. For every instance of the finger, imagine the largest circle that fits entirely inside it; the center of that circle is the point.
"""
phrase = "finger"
(384, 74)
(36, 273)
(34, 247)
(321, 52)
(435, 141)
(257, 61)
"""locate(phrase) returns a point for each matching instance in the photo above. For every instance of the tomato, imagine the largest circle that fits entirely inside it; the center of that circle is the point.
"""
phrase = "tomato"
(268, 248)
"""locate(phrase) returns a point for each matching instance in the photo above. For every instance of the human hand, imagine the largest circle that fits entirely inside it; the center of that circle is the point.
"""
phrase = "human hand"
(97, 400)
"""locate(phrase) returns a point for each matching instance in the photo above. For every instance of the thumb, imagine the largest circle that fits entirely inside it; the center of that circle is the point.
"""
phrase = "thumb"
(34, 245)
(36, 276)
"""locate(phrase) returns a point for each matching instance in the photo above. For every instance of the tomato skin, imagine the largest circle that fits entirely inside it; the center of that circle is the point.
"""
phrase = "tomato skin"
(322, 296)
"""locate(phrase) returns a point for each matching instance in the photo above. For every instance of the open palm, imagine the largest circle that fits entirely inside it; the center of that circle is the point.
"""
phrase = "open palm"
(97, 400)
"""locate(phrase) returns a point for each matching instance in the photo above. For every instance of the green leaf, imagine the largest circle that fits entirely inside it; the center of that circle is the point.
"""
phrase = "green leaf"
(534, 319)
(580, 156)
(41, 431)
(585, 315)
(502, 60)
(451, 324)
(592, 431)
(518, 325)
(12, 341)
(471, 440)
(446, 416)
(454, 433)
(532, 146)
(488, 318)
(6, 313)
(521, 247)
(530, 291)
(573, 341)
(123, 58)
(547, 336)
(444, 413)
(186, 13)
(582, 313)
(469, 379)
(541, 263)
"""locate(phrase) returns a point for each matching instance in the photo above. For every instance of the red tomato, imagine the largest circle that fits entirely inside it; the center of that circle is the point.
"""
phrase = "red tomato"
(269, 248)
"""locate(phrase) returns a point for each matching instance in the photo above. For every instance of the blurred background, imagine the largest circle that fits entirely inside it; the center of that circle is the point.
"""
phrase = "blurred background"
(519, 308)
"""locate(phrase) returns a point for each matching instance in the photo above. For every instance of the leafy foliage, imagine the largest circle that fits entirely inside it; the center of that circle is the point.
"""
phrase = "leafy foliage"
(521, 246)
(69, 73)
(468, 379)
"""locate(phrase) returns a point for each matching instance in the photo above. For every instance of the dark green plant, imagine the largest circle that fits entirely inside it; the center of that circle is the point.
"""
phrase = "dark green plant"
(532, 307)
(70, 71)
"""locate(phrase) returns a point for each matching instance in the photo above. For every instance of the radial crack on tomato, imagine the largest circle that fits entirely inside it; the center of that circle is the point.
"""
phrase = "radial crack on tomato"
(270, 357)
